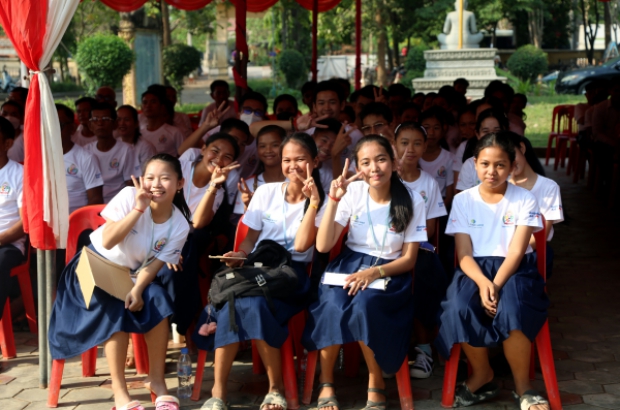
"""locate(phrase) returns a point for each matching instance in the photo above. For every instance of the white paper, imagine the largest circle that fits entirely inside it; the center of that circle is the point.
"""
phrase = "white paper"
(338, 279)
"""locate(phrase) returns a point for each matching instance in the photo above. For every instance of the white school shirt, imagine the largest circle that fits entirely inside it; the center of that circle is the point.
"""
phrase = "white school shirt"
(248, 160)
(547, 193)
(194, 194)
(327, 176)
(183, 123)
(83, 173)
(117, 166)
(352, 210)
(81, 140)
(239, 208)
(11, 186)
(269, 213)
(428, 189)
(166, 139)
(457, 164)
(348, 152)
(143, 151)
(468, 177)
(146, 240)
(492, 226)
(16, 152)
(441, 170)
(192, 155)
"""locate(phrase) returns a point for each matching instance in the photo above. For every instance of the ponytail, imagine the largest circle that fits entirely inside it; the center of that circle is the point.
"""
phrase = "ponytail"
(317, 181)
(179, 202)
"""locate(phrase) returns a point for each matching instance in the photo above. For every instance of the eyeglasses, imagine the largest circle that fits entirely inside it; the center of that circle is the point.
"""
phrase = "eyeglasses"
(369, 128)
(100, 119)
(248, 110)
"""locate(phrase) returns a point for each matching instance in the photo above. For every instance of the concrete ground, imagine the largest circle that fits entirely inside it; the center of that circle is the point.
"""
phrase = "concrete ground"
(584, 319)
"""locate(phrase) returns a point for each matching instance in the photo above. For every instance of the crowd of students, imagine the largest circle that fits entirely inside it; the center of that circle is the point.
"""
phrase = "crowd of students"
(397, 172)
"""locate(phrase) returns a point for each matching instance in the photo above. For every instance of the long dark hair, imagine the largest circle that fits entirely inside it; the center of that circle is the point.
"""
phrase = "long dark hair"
(223, 136)
(179, 197)
(502, 140)
(134, 115)
(411, 126)
(401, 205)
(268, 129)
(502, 120)
(529, 155)
(309, 145)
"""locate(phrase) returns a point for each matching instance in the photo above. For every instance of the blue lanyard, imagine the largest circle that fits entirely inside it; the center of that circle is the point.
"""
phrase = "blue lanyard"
(372, 229)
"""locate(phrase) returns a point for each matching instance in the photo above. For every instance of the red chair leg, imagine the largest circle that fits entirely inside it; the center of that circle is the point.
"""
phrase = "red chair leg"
(313, 357)
(403, 380)
(532, 362)
(200, 369)
(288, 374)
(296, 328)
(7, 339)
(449, 378)
(26, 289)
(89, 362)
(559, 144)
(257, 363)
(352, 357)
(549, 145)
(141, 353)
(543, 345)
(55, 380)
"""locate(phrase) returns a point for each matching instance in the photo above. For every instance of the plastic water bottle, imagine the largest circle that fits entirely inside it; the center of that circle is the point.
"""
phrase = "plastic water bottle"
(184, 372)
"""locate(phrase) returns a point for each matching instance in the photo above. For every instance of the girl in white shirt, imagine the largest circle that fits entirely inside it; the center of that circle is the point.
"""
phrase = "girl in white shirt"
(146, 226)
(287, 213)
(128, 130)
(497, 295)
(386, 225)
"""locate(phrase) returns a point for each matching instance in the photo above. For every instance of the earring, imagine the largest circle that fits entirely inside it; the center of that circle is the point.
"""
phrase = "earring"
(179, 191)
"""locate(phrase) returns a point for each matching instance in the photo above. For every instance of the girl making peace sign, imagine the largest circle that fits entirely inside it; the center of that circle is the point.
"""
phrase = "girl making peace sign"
(146, 226)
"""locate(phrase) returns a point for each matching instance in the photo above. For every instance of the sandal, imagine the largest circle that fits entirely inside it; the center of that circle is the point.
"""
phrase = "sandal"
(214, 403)
(167, 403)
(378, 405)
(274, 398)
(330, 401)
(464, 397)
(132, 405)
(530, 398)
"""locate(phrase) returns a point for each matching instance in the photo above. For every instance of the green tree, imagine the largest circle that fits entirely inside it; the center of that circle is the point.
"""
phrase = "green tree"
(179, 61)
(528, 62)
(292, 65)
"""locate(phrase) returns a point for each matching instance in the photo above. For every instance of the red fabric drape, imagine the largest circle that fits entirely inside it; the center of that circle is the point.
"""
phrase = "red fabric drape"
(256, 6)
(189, 5)
(324, 5)
(24, 23)
(124, 5)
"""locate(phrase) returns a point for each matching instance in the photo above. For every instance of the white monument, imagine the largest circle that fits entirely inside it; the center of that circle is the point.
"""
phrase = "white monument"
(460, 56)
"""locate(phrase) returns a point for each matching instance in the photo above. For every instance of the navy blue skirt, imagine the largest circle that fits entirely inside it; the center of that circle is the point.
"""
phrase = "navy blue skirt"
(429, 288)
(75, 329)
(253, 317)
(522, 306)
(381, 319)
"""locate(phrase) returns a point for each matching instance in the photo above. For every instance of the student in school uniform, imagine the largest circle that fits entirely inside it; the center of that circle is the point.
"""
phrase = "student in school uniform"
(14, 112)
(165, 138)
(84, 181)
(430, 278)
(288, 213)
(220, 92)
(116, 158)
(83, 134)
(377, 119)
(12, 237)
(179, 119)
(146, 227)
(530, 174)
(128, 130)
(497, 295)
(489, 121)
(387, 223)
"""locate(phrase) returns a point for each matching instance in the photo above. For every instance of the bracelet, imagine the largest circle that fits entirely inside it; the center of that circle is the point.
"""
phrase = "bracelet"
(314, 206)
(244, 252)
(216, 186)
(139, 210)
(334, 199)
(381, 271)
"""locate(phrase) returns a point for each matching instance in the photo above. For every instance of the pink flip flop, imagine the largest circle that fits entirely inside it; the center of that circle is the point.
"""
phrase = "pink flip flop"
(132, 405)
(167, 403)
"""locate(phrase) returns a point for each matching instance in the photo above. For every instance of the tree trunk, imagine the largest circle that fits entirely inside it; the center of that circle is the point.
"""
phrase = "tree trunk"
(390, 57)
(535, 25)
(165, 24)
(607, 24)
(381, 46)
(284, 28)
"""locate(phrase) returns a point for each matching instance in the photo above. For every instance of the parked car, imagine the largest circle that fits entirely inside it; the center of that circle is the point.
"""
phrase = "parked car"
(575, 81)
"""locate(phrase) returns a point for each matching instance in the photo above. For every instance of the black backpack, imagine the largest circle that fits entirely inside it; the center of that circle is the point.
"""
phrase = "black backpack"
(275, 279)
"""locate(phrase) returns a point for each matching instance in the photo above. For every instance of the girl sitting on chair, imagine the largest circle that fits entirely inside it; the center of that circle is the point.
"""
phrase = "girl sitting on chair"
(497, 295)
(146, 227)
(386, 222)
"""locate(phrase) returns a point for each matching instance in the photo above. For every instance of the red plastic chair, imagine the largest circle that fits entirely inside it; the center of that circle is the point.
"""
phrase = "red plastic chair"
(286, 351)
(195, 120)
(7, 338)
(543, 345)
(81, 219)
(563, 129)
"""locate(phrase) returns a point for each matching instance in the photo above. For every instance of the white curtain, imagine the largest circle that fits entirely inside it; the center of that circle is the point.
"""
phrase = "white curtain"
(56, 202)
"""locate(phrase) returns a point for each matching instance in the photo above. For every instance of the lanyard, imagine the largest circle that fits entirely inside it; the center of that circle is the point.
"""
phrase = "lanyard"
(147, 261)
(286, 242)
(372, 229)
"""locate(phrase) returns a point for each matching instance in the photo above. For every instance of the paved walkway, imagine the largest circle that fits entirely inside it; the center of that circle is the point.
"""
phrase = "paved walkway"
(584, 319)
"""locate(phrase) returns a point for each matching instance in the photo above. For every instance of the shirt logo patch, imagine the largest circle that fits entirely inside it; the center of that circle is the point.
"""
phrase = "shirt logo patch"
(97, 176)
(420, 228)
(163, 139)
(72, 170)
(441, 172)
(509, 218)
(472, 223)
(423, 195)
(267, 217)
(533, 215)
(159, 245)
(355, 220)
(114, 163)
(5, 189)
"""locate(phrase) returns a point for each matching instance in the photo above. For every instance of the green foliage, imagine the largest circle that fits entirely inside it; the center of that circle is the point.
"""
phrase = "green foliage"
(415, 64)
(292, 65)
(65, 86)
(103, 59)
(528, 62)
(179, 61)
(539, 112)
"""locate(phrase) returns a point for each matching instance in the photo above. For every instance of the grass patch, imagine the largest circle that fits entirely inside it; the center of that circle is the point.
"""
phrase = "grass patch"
(539, 112)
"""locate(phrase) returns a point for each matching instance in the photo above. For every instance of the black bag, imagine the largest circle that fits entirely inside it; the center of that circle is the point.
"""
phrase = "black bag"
(275, 279)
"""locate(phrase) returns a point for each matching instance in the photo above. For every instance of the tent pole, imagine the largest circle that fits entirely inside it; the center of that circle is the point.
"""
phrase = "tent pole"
(241, 45)
(315, 23)
(358, 44)
(42, 317)
(50, 274)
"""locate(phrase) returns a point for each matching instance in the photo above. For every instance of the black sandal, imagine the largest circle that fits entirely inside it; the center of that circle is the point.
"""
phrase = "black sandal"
(329, 401)
(464, 397)
(376, 405)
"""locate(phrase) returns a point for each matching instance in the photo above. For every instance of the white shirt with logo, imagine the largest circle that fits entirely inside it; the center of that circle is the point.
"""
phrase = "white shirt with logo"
(440, 169)
(468, 177)
(428, 189)
(117, 166)
(146, 240)
(11, 186)
(143, 150)
(458, 157)
(193, 194)
(192, 154)
(352, 210)
(269, 213)
(491, 227)
(547, 193)
(166, 139)
(83, 173)
(239, 206)
(16, 152)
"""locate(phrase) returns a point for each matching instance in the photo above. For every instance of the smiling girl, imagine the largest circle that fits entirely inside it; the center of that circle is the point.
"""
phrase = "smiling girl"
(497, 295)
(146, 226)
